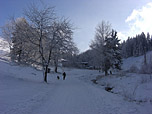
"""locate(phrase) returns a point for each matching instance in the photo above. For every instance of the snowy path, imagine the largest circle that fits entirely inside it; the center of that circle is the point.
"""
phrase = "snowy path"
(71, 97)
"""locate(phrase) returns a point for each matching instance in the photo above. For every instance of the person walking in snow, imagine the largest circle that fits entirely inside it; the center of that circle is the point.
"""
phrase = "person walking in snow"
(64, 75)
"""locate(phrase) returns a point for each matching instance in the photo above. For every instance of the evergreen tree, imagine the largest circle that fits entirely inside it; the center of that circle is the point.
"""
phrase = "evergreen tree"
(116, 51)
(111, 53)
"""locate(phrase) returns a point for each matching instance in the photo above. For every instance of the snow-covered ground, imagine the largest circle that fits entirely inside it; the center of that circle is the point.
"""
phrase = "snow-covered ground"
(22, 91)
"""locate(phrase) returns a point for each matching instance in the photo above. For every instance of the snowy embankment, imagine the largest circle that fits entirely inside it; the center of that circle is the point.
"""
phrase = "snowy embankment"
(21, 89)
(133, 87)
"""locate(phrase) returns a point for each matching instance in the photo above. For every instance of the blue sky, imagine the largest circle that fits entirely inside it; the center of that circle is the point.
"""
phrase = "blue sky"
(86, 14)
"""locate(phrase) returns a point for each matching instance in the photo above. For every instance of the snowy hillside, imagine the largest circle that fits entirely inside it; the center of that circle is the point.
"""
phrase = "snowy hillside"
(133, 87)
(136, 61)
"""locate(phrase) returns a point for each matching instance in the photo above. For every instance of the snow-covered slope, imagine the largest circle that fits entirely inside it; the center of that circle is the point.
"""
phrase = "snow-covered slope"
(136, 61)
(133, 87)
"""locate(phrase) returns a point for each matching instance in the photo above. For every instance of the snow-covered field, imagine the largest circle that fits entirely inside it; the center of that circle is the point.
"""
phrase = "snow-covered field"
(22, 91)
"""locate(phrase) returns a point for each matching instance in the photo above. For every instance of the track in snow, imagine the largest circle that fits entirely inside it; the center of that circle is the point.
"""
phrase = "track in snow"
(71, 97)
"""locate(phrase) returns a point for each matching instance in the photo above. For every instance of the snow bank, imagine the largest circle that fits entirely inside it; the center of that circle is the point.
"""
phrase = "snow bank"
(22, 88)
(133, 87)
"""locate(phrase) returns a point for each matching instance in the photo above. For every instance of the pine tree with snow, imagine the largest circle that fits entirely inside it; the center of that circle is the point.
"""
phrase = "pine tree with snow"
(111, 53)
(117, 58)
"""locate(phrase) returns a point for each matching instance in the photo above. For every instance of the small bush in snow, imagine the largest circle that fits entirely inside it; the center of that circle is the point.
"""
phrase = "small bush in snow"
(133, 69)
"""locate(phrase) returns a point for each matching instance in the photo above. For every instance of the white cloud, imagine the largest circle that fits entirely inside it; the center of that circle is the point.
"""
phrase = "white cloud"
(140, 20)
(122, 36)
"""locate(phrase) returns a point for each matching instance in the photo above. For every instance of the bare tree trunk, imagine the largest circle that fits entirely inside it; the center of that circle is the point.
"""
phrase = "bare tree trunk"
(106, 72)
(45, 74)
(19, 57)
(145, 57)
(110, 72)
(56, 65)
(56, 69)
(46, 67)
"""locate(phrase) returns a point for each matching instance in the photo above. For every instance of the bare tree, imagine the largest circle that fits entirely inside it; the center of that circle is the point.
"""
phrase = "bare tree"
(103, 31)
(19, 40)
(107, 48)
(7, 31)
(64, 40)
(41, 21)
(14, 33)
(40, 37)
(52, 36)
